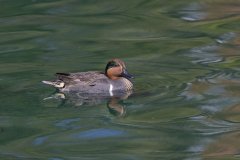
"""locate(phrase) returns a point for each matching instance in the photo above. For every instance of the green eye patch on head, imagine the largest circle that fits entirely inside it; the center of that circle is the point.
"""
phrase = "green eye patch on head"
(111, 64)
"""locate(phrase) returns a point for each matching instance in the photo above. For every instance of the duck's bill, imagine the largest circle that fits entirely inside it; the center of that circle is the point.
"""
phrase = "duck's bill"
(127, 75)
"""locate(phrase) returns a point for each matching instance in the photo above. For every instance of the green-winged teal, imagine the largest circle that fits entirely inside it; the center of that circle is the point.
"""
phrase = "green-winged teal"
(115, 79)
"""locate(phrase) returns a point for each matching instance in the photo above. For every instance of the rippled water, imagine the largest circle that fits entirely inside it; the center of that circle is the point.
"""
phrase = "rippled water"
(185, 58)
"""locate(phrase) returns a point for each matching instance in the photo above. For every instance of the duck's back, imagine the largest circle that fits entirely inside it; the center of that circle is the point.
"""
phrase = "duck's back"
(91, 82)
(83, 78)
(81, 81)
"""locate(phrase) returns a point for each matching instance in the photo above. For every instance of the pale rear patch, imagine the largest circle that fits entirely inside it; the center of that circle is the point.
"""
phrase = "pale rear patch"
(55, 84)
(61, 85)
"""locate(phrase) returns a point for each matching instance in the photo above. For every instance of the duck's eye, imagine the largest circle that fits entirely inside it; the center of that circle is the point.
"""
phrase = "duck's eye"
(112, 64)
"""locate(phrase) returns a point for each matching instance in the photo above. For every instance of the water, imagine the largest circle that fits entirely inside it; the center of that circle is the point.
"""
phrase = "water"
(185, 58)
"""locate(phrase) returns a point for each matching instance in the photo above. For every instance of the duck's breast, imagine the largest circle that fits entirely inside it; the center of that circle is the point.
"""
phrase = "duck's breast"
(121, 84)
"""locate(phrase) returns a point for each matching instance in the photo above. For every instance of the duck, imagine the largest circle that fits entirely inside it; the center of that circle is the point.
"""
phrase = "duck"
(115, 79)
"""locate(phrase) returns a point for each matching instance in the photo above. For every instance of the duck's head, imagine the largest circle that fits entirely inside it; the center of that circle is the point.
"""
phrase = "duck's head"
(115, 69)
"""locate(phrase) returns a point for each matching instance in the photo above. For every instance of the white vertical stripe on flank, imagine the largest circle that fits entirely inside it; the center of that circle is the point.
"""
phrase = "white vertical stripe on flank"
(110, 90)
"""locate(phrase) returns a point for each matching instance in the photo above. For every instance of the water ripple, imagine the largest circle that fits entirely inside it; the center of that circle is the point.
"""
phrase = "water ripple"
(66, 123)
(214, 126)
(226, 37)
(40, 140)
(98, 133)
(205, 54)
(214, 91)
(193, 12)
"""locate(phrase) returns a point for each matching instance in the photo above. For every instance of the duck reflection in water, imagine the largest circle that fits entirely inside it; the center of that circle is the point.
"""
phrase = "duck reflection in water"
(115, 103)
(113, 85)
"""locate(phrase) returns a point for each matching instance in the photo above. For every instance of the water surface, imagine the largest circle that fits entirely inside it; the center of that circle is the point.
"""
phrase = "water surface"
(185, 58)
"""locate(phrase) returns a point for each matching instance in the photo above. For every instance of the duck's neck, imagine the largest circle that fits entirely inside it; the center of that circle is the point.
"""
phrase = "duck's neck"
(113, 77)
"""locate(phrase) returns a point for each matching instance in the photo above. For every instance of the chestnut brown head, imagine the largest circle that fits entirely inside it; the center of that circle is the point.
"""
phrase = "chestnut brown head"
(115, 69)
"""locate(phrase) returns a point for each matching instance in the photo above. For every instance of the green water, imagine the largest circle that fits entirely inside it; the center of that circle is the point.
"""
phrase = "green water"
(185, 59)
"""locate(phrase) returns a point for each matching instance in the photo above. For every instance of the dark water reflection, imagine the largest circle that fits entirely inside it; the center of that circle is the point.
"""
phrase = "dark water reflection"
(114, 103)
(185, 58)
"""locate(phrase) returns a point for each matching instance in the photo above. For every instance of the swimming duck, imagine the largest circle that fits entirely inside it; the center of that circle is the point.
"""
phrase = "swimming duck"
(114, 79)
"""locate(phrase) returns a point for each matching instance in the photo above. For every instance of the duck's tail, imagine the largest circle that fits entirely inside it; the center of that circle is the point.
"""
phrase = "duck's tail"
(56, 84)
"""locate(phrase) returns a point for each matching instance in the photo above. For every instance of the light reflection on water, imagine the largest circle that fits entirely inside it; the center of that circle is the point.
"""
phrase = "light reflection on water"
(184, 56)
(98, 133)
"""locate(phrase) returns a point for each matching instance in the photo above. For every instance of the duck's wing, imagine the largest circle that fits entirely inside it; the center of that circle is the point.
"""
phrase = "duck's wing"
(85, 78)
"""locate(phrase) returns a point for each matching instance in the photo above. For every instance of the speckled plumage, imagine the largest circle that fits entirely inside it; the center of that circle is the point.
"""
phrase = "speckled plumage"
(93, 82)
